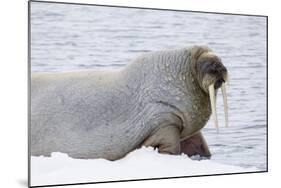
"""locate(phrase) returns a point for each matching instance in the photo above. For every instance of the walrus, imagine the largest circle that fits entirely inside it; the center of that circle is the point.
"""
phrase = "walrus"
(162, 99)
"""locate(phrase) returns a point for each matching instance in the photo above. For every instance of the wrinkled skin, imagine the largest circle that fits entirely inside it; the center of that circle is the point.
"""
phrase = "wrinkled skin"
(160, 100)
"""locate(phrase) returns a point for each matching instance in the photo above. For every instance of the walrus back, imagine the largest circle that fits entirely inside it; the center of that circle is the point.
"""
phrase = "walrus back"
(83, 114)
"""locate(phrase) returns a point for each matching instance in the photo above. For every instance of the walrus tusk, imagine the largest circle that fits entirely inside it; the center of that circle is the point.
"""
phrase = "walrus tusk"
(223, 90)
(213, 105)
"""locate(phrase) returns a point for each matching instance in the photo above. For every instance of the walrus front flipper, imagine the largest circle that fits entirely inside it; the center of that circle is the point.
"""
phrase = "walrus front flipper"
(166, 139)
(195, 145)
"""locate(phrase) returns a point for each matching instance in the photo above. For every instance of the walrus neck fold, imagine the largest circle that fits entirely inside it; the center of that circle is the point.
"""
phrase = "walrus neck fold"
(163, 69)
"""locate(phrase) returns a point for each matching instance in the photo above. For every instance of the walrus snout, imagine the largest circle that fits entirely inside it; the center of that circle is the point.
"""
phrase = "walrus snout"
(218, 83)
(215, 69)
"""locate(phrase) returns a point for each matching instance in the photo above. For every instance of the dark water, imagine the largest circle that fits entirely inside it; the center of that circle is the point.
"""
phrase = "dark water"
(71, 37)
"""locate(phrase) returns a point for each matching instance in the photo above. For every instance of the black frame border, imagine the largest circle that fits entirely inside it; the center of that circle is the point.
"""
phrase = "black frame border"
(132, 7)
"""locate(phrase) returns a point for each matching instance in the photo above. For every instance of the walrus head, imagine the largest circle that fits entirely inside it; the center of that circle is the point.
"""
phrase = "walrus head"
(211, 76)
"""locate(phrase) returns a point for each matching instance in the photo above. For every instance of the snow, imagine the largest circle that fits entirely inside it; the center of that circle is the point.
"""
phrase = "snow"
(144, 163)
